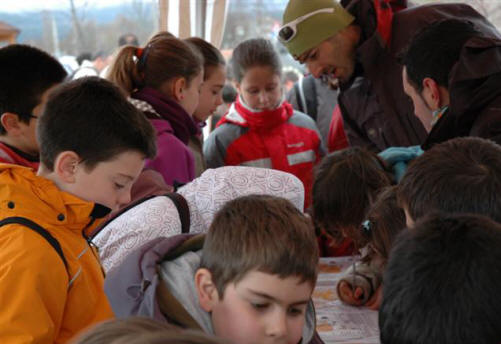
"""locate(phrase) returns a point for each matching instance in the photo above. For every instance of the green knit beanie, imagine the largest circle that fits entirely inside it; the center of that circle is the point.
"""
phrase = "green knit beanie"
(317, 28)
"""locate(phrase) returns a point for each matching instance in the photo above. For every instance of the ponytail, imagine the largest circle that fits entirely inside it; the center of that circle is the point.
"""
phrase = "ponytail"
(164, 58)
(124, 69)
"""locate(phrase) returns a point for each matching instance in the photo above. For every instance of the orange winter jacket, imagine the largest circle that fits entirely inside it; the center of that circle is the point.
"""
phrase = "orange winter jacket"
(42, 301)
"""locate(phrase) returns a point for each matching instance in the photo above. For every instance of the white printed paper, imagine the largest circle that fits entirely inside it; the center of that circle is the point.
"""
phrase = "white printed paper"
(337, 322)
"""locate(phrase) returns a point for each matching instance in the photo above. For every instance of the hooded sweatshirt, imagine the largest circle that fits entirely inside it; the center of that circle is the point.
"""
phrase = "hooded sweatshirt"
(157, 281)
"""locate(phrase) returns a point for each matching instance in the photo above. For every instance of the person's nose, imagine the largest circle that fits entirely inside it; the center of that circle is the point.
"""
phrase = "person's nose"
(277, 325)
(124, 198)
(219, 99)
(263, 98)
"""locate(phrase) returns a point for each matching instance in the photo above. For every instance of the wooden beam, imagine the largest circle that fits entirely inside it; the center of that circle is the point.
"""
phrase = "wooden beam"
(163, 11)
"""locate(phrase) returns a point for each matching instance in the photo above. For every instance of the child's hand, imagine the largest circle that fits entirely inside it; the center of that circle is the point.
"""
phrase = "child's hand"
(375, 301)
(350, 296)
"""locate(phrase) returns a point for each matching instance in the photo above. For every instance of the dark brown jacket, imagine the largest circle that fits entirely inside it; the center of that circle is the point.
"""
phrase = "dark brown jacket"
(376, 111)
(475, 94)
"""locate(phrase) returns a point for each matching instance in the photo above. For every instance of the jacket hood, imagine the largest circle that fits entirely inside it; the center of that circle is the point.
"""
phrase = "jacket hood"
(476, 78)
(157, 279)
(475, 95)
(131, 286)
(365, 16)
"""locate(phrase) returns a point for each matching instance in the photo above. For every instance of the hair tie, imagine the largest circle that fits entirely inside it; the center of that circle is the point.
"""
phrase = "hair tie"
(139, 52)
(141, 58)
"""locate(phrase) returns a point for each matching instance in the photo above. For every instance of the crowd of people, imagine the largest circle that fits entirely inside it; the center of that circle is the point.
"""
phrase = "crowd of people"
(121, 223)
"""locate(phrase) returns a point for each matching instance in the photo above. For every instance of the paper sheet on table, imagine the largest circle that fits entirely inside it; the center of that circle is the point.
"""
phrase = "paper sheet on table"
(336, 322)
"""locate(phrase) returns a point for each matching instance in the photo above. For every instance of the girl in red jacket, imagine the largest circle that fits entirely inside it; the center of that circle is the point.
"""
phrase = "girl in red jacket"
(261, 129)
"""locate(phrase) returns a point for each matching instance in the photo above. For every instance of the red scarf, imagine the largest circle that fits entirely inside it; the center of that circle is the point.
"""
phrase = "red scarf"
(258, 120)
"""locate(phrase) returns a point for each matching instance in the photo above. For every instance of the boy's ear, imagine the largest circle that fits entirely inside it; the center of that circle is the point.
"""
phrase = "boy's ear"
(65, 166)
(179, 86)
(206, 289)
(10, 122)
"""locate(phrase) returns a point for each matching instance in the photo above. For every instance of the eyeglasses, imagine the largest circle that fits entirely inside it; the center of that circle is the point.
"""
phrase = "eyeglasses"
(289, 30)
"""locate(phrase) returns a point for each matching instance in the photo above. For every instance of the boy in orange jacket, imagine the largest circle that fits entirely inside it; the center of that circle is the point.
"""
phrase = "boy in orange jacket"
(93, 146)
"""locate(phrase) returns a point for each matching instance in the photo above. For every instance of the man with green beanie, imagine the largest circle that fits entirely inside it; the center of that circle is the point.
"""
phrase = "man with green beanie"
(359, 42)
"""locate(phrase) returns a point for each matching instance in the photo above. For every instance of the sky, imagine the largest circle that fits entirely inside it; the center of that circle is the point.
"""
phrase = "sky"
(17, 6)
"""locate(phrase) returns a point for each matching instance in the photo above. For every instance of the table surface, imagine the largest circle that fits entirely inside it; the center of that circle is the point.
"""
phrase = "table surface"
(336, 322)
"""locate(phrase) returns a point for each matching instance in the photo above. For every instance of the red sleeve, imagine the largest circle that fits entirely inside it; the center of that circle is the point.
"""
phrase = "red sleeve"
(337, 139)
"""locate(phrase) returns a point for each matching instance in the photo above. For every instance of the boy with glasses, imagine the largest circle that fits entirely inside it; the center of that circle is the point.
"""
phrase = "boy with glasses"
(27, 75)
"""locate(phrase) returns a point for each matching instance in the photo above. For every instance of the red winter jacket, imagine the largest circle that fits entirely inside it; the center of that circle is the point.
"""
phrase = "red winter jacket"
(282, 139)
(337, 137)
(9, 155)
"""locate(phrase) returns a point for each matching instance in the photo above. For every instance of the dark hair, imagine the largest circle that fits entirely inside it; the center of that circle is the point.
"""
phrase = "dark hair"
(142, 331)
(83, 56)
(385, 219)
(161, 35)
(433, 51)
(162, 59)
(229, 94)
(92, 118)
(462, 175)
(442, 283)
(26, 73)
(256, 52)
(263, 233)
(128, 39)
(346, 183)
(212, 56)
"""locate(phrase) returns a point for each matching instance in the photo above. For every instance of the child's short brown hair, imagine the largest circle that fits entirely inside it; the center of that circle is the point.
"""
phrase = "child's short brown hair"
(462, 175)
(91, 117)
(346, 183)
(263, 233)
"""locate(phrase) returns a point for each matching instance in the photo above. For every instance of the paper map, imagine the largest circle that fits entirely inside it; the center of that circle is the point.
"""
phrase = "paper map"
(336, 322)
